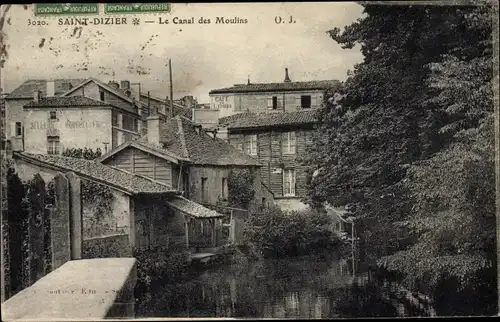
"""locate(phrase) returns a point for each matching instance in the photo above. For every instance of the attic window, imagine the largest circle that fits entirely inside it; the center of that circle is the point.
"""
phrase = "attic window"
(101, 96)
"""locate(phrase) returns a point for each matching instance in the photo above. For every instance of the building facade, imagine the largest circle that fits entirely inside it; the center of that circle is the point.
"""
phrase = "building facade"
(14, 104)
(279, 141)
(182, 155)
(286, 96)
(54, 124)
(125, 122)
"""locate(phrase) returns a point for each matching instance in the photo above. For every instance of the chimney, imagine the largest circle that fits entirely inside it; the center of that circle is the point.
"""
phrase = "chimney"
(153, 129)
(287, 79)
(114, 85)
(36, 96)
(125, 84)
(51, 88)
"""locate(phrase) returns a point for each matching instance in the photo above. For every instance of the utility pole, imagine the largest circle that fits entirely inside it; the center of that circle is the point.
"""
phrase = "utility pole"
(171, 89)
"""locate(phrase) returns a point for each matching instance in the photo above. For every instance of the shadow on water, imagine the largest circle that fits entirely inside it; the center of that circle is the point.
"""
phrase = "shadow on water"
(278, 288)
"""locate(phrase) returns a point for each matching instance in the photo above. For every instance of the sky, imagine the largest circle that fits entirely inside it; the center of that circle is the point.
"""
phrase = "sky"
(204, 56)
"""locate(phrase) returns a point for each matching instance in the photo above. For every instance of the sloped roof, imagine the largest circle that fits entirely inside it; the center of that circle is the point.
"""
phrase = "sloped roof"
(269, 119)
(192, 208)
(180, 140)
(180, 136)
(103, 85)
(95, 171)
(275, 87)
(26, 89)
(158, 103)
(66, 101)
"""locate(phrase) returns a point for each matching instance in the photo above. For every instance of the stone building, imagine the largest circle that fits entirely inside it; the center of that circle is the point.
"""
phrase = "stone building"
(286, 96)
(22, 95)
(278, 140)
(53, 124)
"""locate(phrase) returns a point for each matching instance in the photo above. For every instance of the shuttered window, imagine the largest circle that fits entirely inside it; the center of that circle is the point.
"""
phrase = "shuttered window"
(289, 143)
(251, 144)
(289, 182)
(53, 145)
(269, 102)
(18, 131)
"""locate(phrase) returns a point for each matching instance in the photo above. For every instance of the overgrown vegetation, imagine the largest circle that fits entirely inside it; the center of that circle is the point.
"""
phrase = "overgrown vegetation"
(96, 197)
(240, 188)
(273, 233)
(411, 145)
(157, 267)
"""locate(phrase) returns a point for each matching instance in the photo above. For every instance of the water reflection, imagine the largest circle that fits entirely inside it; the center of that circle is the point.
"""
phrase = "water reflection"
(301, 288)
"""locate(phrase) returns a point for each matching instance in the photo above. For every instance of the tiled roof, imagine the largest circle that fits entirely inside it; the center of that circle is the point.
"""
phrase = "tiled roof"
(180, 140)
(269, 119)
(192, 208)
(92, 170)
(27, 88)
(179, 135)
(65, 101)
(274, 87)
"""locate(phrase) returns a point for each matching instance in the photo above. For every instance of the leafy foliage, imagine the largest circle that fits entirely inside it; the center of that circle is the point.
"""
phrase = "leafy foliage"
(84, 153)
(159, 265)
(406, 143)
(240, 188)
(276, 234)
(95, 195)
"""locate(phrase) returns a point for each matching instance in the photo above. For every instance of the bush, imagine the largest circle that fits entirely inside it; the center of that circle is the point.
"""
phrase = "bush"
(159, 266)
(273, 233)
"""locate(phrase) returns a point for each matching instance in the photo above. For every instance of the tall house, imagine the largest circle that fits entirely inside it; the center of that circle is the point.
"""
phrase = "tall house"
(22, 95)
(39, 109)
(278, 141)
(286, 96)
(54, 124)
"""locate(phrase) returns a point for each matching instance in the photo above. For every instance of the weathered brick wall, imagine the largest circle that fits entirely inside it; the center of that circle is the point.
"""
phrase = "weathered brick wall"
(106, 247)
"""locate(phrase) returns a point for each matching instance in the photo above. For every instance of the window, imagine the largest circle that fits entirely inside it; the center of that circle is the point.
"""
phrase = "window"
(251, 144)
(289, 142)
(52, 145)
(101, 94)
(305, 101)
(204, 192)
(52, 115)
(114, 120)
(240, 147)
(224, 188)
(185, 183)
(19, 129)
(128, 123)
(272, 102)
(289, 182)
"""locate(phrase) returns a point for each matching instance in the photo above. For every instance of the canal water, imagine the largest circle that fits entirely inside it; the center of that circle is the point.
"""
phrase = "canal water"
(281, 288)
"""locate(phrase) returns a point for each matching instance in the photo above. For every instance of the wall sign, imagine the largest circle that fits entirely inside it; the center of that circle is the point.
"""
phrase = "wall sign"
(38, 125)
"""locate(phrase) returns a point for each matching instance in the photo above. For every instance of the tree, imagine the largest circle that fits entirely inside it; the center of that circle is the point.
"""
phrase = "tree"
(454, 190)
(383, 120)
(408, 139)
